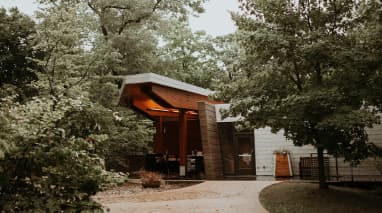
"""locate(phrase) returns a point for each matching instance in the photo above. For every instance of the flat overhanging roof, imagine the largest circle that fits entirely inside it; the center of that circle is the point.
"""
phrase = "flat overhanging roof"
(158, 96)
(165, 81)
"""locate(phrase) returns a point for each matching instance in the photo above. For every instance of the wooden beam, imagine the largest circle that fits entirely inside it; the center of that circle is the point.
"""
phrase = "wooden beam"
(145, 107)
(182, 142)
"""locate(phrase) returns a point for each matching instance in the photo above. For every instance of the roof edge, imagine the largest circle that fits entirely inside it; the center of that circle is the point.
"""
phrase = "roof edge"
(165, 81)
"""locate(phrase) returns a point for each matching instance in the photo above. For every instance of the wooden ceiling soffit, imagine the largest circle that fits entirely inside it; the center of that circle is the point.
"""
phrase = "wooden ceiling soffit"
(161, 112)
(147, 89)
(151, 108)
(159, 101)
(178, 98)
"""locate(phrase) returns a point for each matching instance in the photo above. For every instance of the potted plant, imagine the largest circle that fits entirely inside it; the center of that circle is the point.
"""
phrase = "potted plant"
(150, 179)
(281, 152)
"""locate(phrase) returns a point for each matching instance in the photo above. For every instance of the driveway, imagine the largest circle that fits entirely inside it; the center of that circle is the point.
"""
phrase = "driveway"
(208, 197)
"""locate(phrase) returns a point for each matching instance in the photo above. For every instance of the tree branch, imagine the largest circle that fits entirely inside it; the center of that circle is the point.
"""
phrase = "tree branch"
(131, 21)
(297, 73)
(139, 19)
(116, 7)
(307, 15)
(93, 8)
(156, 5)
(51, 78)
(125, 23)
(334, 17)
(85, 73)
(100, 15)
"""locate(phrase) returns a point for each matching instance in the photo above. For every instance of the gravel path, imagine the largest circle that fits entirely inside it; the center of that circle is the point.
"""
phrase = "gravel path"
(206, 197)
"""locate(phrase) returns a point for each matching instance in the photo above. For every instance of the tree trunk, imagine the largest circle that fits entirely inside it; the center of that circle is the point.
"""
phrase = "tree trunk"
(321, 168)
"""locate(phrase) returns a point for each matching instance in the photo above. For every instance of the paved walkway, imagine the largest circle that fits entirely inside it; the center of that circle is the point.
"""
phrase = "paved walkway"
(207, 197)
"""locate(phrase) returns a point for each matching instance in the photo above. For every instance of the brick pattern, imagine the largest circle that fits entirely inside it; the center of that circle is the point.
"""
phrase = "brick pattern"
(210, 141)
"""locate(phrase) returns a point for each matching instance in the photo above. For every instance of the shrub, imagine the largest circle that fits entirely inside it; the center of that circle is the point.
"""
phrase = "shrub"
(150, 179)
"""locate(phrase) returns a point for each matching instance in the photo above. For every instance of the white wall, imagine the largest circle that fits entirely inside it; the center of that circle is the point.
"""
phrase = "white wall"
(266, 143)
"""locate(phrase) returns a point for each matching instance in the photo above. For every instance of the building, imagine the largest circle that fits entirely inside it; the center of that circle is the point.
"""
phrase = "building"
(189, 127)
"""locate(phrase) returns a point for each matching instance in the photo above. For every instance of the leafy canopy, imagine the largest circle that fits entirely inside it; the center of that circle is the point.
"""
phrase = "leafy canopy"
(308, 69)
(17, 32)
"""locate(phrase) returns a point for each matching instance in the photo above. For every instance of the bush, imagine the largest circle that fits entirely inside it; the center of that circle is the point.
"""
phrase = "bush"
(50, 176)
(150, 179)
(48, 169)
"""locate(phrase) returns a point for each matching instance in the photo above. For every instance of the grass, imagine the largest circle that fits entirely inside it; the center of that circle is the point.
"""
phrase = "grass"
(306, 197)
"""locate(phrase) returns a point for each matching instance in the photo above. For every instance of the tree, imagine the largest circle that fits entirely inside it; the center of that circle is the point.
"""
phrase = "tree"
(62, 35)
(188, 56)
(130, 27)
(232, 57)
(115, 16)
(48, 169)
(309, 70)
(43, 167)
(16, 41)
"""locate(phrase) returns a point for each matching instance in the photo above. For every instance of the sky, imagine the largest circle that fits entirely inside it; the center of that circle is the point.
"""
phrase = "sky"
(215, 21)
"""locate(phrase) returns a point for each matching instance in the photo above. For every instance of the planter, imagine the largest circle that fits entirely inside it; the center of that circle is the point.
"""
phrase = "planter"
(150, 179)
(151, 184)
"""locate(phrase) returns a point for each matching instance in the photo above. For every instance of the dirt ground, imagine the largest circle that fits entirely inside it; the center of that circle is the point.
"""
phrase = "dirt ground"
(209, 196)
(299, 197)
(133, 191)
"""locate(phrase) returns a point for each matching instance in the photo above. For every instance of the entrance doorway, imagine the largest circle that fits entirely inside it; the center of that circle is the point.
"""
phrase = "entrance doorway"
(245, 151)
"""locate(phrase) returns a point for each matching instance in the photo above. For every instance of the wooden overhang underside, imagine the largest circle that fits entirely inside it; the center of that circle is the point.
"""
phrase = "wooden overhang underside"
(155, 100)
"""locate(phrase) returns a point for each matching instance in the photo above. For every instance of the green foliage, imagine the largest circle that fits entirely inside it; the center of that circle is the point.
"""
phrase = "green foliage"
(5, 131)
(16, 42)
(48, 169)
(43, 167)
(232, 60)
(137, 46)
(63, 34)
(129, 27)
(189, 56)
(308, 69)
(128, 134)
(16, 34)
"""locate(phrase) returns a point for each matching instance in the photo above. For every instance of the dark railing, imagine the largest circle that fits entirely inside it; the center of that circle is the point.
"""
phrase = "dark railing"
(338, 170)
